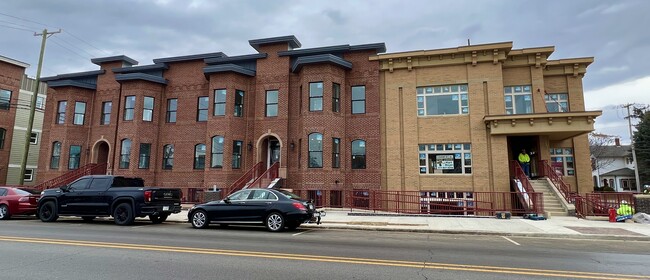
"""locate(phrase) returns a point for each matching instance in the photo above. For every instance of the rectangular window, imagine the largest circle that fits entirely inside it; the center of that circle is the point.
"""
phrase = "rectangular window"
(74, 157)
(219, 102)
(60, 113)
(562, 161)
(236, 153)
(316, 96)
(172, 106)
(359, 100)
(40, 102)
(106, 113)
(3, 134)
(202, 112)
(336, 97)
(33, 139)
(336, 152)
(145, 152)
(443, 100)
(628, 184)
(239, 103)
(129, 108)
(79, 113)
(29, 175)
(271, 103)
(168, 157)
(557, 102)
(5, 99)
(445, 158)
(519, 100)
(147, 110)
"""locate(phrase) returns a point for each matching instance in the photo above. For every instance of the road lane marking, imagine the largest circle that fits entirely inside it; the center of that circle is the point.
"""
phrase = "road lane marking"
(513, 242)
(296, 234)
(316, 258)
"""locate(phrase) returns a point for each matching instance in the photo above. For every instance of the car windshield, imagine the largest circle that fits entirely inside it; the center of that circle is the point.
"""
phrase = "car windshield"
(25, 191)
(289, 195)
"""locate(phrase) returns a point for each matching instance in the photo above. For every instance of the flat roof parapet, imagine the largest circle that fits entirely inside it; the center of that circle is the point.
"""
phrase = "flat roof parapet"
(123, 58)
(189, 57)
(290, 39)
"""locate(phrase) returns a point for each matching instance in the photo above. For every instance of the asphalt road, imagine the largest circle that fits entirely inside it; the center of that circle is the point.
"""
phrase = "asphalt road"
(72, 249)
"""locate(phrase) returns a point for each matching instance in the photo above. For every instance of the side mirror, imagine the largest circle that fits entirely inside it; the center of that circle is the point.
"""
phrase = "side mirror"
(64, 188)
(226, 200)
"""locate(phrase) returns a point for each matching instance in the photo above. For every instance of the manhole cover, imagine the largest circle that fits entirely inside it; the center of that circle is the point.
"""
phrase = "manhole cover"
(605, 231)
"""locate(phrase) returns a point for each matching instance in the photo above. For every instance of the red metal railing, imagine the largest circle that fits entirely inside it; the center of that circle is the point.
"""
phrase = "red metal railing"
(192, 195)
(556, 179)
(249, 176)
(522, 185)
(266, 177)
(88, 169)
(598, 204)
(416, 202)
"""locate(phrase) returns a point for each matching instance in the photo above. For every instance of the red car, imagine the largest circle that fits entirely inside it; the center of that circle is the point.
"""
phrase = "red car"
(17, 201)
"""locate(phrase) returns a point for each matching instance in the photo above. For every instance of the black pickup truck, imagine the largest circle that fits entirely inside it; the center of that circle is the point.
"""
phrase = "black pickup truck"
(102, 195)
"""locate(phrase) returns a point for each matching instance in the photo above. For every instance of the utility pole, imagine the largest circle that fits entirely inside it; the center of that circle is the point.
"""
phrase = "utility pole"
(32, 107)
(636, 164)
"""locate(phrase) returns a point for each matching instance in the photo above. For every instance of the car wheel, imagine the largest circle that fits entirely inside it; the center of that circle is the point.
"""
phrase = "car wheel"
(123, 214)
(4, 212)
(200, 219)
(48, 212)
(88, 218)
(158, 219)
(274, 222)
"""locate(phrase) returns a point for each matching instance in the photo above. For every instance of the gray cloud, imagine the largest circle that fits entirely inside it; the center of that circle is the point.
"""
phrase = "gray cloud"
(614, 32)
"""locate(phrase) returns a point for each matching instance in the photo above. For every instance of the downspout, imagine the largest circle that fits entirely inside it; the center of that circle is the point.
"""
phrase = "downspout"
(117, 126)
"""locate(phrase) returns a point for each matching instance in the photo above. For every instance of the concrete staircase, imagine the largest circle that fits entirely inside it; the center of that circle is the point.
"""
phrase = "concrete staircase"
(552, 204)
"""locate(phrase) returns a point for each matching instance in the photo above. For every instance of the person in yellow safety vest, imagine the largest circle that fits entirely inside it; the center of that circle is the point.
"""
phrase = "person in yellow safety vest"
(624, 212)
(524, 161)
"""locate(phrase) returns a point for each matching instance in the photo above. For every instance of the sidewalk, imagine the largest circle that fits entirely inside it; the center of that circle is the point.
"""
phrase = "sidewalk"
(556, 227)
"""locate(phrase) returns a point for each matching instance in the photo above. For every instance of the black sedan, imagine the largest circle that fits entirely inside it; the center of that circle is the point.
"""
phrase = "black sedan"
(275, 209)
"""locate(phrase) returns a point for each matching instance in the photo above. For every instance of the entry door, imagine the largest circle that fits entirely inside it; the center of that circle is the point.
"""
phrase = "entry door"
(274, 152)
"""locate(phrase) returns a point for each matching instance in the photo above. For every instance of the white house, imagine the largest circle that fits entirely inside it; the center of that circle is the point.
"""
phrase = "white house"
(612, 166)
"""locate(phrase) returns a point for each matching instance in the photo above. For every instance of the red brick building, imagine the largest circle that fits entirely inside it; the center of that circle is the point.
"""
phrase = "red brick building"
(11, 73)
(203, 120)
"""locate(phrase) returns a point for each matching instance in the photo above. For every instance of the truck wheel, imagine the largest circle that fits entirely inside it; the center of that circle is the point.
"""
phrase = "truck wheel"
(4, 212)
(123, 214)
(48, 212)
(274, 222)
(88, 218)
(200, 219)
(158, 219)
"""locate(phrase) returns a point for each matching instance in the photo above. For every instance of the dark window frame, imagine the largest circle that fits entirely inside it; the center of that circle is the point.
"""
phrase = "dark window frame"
(237, 148)
(216, 149)
(168, 157)
(129, 112)
(200, 109)
(73, 165)
(357, 101)
(199, 160)
(5, 103)
(336, 152)
(355, 161)
(336, 97)
(313, 150)
(145, 109)
(239, 103)
(220, 104)
(313, 97)
(125, 153)
(60, 112)
(3, 134)
(170, 112)
(272, 104)
(82, 114)
(106, 116)
(144, 159)
(55, 158)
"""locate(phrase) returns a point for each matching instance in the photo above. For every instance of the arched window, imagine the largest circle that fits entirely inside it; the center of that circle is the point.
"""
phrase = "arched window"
(125, 154)
(315, 150)
(358, 154)
(216, 160)
(3, 132)
(168, 156)
(56, 155)
(199, 156)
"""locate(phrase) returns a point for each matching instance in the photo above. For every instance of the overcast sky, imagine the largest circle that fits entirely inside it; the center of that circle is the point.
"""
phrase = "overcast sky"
(614, 32)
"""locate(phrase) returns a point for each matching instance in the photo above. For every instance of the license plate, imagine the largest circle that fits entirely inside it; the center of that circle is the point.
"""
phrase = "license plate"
(319, 214)
(165, 208)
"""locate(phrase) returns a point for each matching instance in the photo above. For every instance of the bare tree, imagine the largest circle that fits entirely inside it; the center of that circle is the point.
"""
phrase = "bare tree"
(598, 145)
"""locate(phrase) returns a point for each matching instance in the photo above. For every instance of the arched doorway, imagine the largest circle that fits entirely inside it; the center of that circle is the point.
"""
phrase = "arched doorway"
(270, 150)
(100, 153)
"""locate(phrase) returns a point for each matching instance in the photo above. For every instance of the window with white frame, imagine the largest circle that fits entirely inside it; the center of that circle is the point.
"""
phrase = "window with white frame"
(562, 161)
(628, 184)
(445, 158)
(40, 102)
(33, 139)
(557, 102)
(443, 100)
(519, 100)
(29, 175)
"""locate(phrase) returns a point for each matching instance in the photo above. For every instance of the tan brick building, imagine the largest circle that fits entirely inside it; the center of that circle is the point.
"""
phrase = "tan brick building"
(204, 120)
(454, 119)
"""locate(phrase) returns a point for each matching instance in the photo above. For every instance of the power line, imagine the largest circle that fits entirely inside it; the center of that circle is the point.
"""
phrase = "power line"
(22, 25)
(71, 45)
(82, 40)
(18, 28)
(27, 20)
(74, 52)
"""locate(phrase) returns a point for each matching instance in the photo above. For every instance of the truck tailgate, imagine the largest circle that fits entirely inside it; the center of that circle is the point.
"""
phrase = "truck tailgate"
(166, 196)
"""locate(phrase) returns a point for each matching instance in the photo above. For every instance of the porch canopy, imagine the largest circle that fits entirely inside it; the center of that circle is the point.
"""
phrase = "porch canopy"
(557, 126)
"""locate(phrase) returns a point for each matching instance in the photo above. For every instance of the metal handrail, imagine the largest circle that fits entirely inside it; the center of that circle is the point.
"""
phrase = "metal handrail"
(558, 182)
(251, 174)
(88, 169)
(270, 173)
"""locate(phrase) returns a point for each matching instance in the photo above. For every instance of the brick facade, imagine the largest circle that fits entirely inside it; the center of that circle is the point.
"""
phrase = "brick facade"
(184, 79)
(11, 73)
